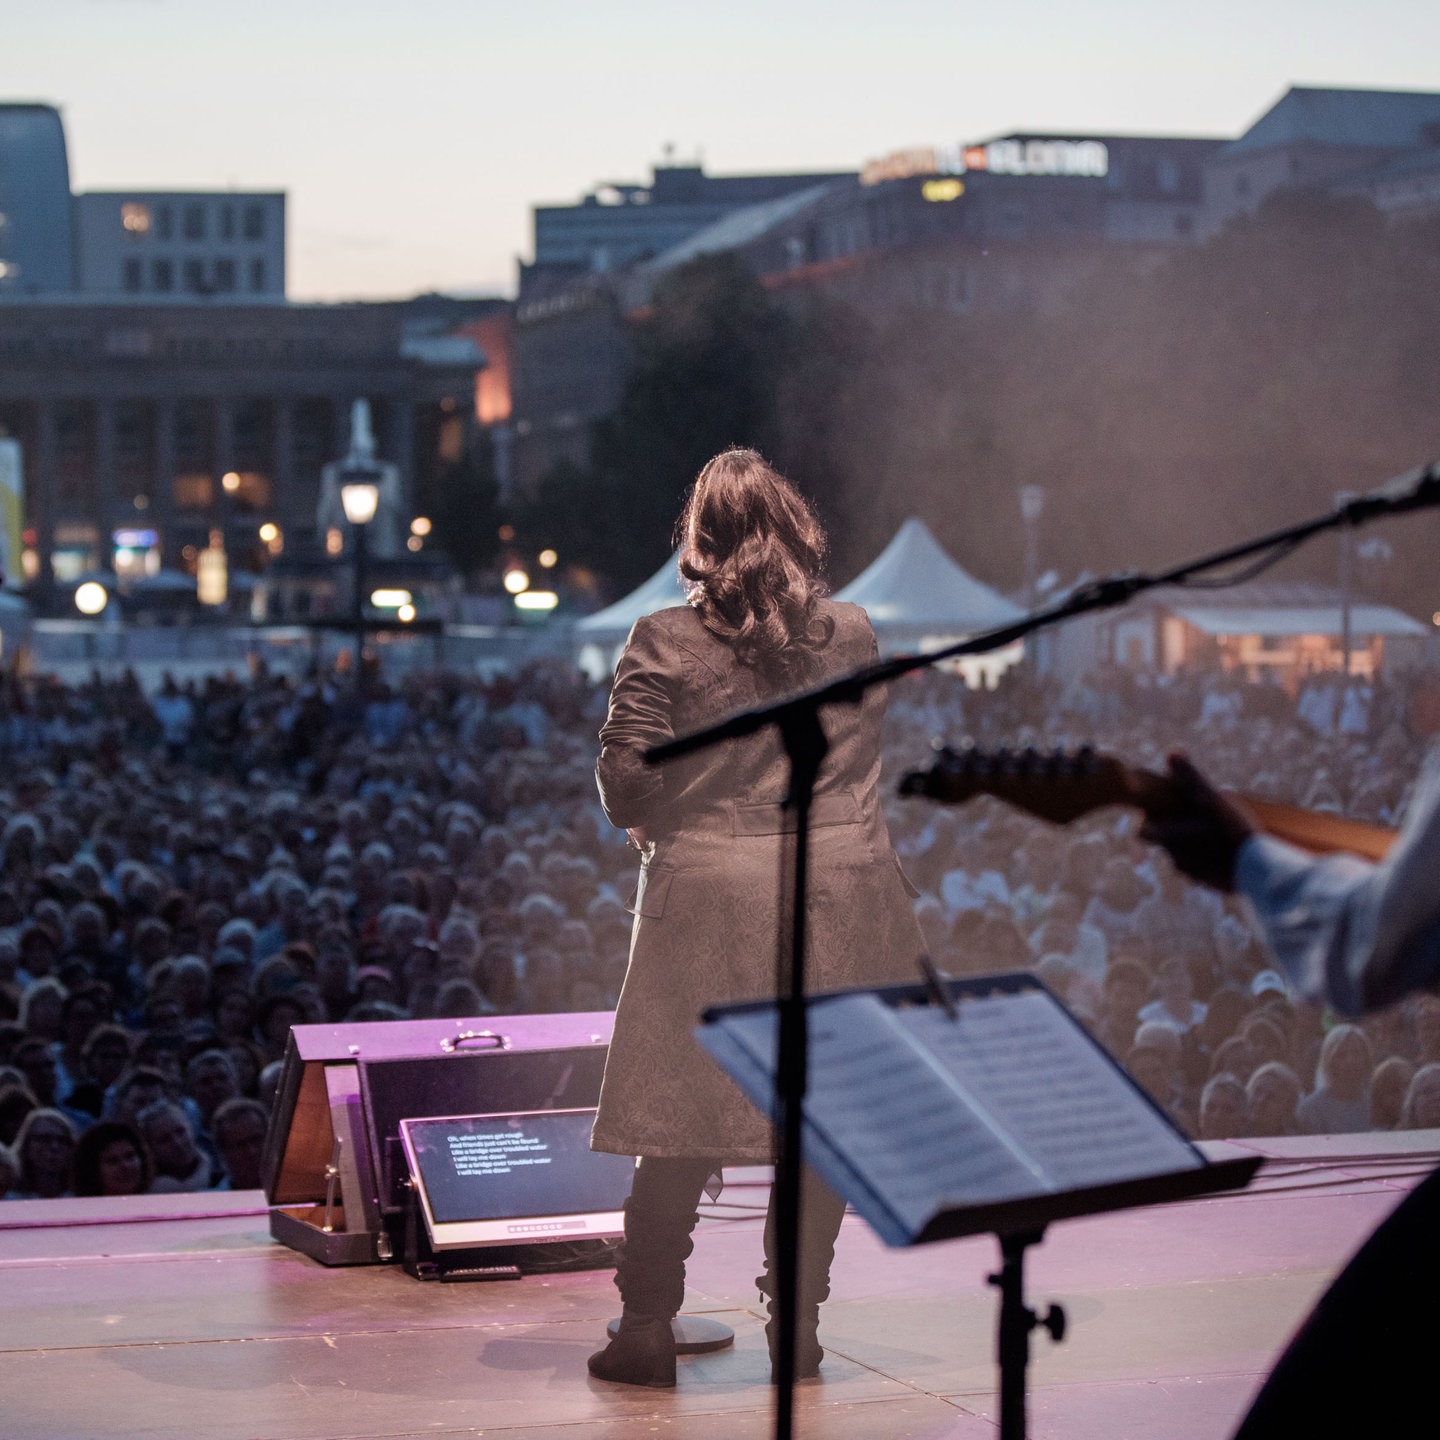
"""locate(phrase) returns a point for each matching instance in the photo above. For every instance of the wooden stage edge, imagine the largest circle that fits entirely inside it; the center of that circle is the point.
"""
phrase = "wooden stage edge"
(178, 1316)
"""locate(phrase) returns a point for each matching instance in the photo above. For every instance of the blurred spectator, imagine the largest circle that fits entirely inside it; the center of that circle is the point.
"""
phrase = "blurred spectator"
(45, 1148)
(239, 1128)
(1421, 1110)
(180, 1164)
(1340, 1101)
(111, 1159)
(1388, 1087)
(1272, 1096)
(1223, 1108)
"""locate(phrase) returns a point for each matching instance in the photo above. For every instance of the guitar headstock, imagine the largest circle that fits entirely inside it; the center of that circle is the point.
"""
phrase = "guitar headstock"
(1055, 785)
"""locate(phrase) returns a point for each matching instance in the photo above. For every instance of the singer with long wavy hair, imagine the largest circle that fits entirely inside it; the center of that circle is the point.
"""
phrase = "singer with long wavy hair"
(710, 829)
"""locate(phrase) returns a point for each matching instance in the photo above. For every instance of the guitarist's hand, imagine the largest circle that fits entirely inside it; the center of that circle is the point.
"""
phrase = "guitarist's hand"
(1200, 828)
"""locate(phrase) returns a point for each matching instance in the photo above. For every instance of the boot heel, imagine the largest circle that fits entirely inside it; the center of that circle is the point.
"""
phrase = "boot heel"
(808, 1351)
(642, 1353)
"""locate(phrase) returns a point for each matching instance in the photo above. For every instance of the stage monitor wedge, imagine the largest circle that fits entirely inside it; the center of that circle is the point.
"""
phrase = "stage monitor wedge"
(322, 1174)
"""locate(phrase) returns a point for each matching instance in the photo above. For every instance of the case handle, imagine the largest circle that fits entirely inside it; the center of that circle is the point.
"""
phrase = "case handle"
(452, 1043)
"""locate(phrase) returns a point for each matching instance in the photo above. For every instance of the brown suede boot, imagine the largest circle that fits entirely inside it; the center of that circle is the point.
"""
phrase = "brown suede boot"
(643, 1353)
(820, 1216)
(650, 1272)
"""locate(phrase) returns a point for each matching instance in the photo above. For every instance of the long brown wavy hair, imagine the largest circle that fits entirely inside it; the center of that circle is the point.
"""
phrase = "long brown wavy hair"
(754, 551)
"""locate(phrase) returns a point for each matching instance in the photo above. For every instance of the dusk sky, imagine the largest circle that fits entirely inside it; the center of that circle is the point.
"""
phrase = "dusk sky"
(413, 139)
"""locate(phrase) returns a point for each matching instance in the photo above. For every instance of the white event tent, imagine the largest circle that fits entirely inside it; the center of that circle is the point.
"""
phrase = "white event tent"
(602, 635)
(918, 598)
(915, 594)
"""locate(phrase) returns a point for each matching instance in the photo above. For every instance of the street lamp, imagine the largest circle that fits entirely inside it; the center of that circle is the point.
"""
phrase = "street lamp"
(359, 497)
(1032, 506)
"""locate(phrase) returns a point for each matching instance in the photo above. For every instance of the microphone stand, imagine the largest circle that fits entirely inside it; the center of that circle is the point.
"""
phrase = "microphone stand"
(797, 719)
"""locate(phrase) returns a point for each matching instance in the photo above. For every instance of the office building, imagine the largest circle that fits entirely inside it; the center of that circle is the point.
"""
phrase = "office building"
(37, 247)
(190, 245)
(617, 225)
(1384, 144)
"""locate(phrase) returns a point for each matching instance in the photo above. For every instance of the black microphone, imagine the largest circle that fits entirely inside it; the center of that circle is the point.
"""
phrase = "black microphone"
(1414, 490)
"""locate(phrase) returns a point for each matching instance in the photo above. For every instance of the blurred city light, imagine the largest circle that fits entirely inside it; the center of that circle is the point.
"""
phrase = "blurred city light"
(942, 190)
(516, 581)
(390, 599)
(420, 525)
(91, 597)
(548, 558)
(537, 600)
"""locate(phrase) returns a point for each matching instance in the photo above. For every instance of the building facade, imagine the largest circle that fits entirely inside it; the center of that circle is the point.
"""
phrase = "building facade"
(192, 244)
(145, 428)
(617, 225)
(1384, 144)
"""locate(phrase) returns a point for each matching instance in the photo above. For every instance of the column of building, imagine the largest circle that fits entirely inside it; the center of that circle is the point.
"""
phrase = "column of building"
(103, 495)
(223, 460)
(162, 482)
(41, 489)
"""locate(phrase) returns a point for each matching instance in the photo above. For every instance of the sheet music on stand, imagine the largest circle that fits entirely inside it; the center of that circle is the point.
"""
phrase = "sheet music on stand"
(1002, 1119)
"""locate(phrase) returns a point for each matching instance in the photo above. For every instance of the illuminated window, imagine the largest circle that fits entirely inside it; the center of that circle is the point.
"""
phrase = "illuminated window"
(252, 492)
(136, 219)
(194, 222)
(193, 491)
(254, 222)
(133, 276)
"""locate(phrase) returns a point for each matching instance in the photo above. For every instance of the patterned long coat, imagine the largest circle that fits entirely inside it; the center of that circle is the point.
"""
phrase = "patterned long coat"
(707, 908)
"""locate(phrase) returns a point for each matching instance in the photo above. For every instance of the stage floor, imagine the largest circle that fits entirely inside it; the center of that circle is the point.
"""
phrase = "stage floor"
(197, 1325)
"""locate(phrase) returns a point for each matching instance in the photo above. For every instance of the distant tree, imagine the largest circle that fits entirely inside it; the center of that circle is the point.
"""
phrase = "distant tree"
(707, 357)
(466, 514)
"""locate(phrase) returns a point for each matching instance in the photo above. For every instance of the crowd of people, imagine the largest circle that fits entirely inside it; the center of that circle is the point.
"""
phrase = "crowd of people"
(185, 875)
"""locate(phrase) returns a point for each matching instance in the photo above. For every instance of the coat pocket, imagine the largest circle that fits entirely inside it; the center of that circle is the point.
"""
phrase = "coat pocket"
(651, 893)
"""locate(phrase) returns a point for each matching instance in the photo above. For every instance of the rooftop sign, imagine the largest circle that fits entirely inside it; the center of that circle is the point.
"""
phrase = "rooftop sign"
(1088, 158)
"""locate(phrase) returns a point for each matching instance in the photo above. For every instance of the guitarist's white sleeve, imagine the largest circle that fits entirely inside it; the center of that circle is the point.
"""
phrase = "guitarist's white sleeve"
(1356, 934)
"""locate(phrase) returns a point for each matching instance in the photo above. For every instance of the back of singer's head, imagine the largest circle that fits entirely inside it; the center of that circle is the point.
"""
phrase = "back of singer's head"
(754, 552)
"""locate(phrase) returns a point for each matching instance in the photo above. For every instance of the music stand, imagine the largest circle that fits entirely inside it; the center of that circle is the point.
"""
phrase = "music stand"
(995, 1112)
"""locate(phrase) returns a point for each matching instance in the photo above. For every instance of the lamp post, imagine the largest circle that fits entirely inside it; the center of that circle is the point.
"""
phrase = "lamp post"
(1032, 505)
(359, 496)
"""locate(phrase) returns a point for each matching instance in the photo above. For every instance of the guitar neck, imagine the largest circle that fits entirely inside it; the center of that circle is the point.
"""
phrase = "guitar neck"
(1061, 788)
(1317, 832)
